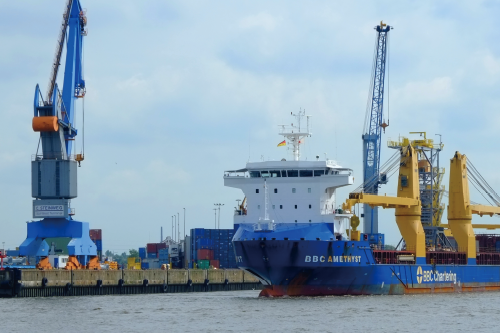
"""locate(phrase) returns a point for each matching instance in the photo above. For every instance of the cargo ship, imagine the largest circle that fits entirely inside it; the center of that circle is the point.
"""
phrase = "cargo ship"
(291, 234)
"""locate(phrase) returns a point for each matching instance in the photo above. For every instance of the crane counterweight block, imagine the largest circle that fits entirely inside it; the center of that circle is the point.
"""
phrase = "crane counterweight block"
(45, 124)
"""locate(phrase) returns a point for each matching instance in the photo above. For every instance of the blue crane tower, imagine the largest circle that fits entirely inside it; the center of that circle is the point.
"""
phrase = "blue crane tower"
(54, 168)
(374, 123)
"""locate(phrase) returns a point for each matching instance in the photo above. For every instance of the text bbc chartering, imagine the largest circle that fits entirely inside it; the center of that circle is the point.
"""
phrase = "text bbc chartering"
(333, 259)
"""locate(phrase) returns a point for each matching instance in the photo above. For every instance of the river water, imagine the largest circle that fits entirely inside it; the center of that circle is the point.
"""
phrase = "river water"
(243, 311)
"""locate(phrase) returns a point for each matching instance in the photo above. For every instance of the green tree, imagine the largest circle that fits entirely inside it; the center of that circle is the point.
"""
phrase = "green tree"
(133, 253)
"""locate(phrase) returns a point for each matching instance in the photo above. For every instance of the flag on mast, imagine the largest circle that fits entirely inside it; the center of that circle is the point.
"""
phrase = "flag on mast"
(282, 143)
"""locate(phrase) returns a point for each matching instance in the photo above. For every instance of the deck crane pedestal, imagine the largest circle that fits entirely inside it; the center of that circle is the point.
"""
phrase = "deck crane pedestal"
(54, 169)
(374, 123)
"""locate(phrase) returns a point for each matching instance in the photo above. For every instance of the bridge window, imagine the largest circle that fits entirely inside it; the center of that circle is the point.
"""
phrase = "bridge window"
(293, 173)
(273, 206)
(275, 173)
(258, 206)
(293, 190)
(309, 190)
(310, 206)
(306, 173)
(295, 206)
(254, 174)
(265, 174)
(283, 173)
(281, 206)
(256, 190)
(318, 173)
(275, 190)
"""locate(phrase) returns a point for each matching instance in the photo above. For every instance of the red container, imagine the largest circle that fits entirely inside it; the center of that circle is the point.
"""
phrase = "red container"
(160, 246)
(95, 234)
(151, 248)
(205, 254)
(214, 263)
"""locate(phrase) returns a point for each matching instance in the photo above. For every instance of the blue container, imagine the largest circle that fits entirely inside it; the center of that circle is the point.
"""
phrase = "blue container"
(145, 265)
(204, 243)
(12, 253)
(152, 255)
(98, 244)
(142, 252)
(198, 232)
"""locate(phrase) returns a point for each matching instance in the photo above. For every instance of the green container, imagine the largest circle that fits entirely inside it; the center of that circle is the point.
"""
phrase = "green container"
(203, 264)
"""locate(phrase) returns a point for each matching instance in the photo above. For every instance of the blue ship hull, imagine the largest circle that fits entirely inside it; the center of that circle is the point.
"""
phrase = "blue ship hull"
(295, 260)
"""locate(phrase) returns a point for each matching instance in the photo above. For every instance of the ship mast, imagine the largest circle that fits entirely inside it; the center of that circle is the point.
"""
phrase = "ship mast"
(296, 134)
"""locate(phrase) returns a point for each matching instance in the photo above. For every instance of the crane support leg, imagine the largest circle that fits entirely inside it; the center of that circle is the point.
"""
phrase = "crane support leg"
(80, 246)
(459, 207)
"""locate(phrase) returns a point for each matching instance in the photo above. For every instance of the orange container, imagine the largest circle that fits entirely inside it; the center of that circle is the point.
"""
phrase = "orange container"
(205, 254)
(45, 124)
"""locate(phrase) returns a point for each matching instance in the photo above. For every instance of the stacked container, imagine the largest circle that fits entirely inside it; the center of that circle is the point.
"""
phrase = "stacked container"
(151, 250)
(142, 253)
(215, 264)
(217, 240)
(203, 264)
(163, 256)
(96, 237)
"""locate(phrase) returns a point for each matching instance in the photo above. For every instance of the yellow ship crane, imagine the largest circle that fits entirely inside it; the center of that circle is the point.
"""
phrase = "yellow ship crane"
(407, 204)
(460, 209)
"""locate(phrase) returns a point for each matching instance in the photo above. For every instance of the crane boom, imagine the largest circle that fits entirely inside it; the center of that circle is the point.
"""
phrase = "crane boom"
(59, 49)
(373, 129)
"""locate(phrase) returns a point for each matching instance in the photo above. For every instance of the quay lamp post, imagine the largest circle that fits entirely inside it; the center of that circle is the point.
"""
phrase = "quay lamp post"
(218, 207)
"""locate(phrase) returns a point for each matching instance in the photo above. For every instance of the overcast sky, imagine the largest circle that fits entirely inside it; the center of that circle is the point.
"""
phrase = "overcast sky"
(179, 91)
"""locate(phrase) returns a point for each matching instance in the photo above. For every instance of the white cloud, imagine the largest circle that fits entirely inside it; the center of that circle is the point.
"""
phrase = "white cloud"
(262, 20)
(437, 90)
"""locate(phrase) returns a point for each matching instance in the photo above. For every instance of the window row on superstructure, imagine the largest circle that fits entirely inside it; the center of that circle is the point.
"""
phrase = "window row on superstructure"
(281, 206)
(289, 173)
(294, 190)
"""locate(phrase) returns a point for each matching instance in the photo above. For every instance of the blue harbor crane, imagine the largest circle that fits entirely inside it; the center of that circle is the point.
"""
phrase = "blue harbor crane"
(54, 168)
(374, 123)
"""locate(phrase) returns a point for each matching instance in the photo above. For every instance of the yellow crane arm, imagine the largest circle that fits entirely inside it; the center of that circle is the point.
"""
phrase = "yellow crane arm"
(478, 226)
(484, 210)
(377, 200)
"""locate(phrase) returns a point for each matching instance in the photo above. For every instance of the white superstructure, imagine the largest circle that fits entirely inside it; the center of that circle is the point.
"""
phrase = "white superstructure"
(297, 191)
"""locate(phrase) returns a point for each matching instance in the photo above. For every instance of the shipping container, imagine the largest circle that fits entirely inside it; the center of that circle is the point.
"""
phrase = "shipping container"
(95, 234)
(145, 265)
(142, 252)
(152, 255)
(198, 232)
(204, 254)
(98, 244)
(160, 246)
(12, 253)
(151, 248)
(214, 263)
(203, 264)
(204, 243)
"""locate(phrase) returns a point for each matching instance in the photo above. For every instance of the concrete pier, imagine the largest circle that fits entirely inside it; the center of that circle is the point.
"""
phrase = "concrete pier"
(39, 283)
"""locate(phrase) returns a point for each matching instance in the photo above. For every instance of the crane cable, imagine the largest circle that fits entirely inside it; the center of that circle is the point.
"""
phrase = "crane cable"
(389, 168)
(478, 181)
